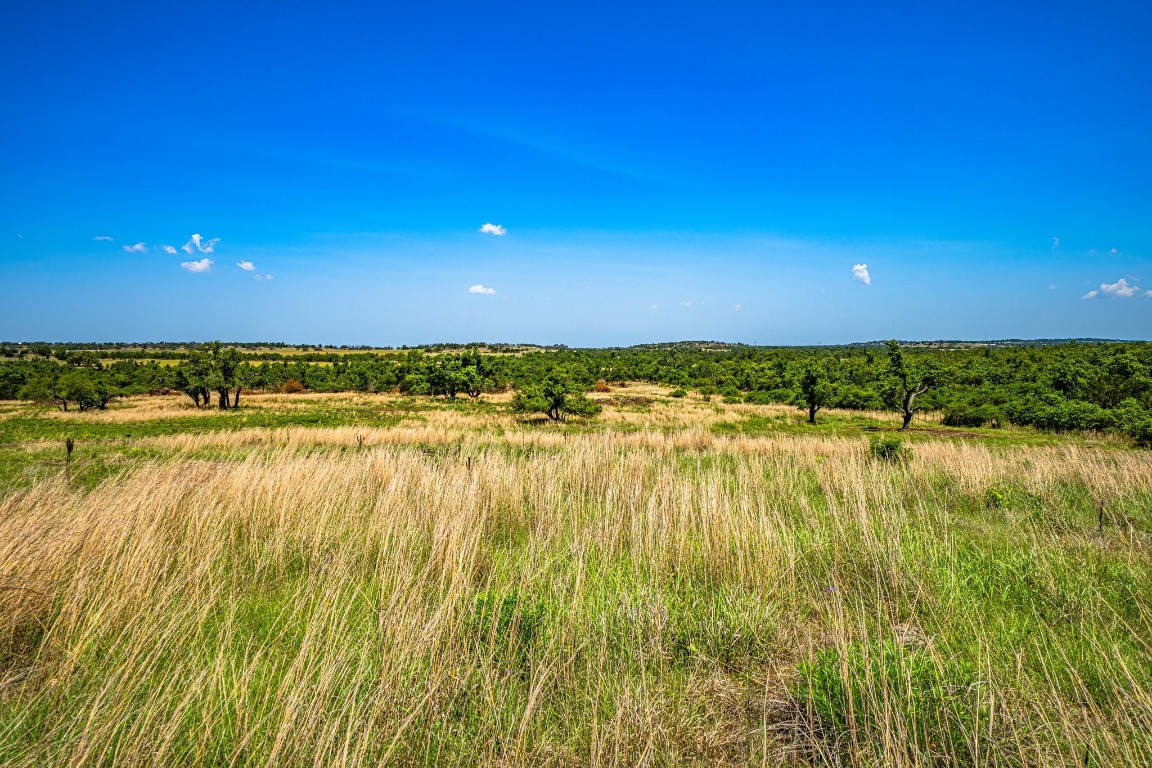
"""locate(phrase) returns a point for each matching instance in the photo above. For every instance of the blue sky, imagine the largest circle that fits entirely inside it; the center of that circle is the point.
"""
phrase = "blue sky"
(651, 172)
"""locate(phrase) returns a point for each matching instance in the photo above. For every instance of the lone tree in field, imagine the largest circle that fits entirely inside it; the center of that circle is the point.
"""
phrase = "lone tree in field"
(907, 381)
(814, 389)
(558, 397)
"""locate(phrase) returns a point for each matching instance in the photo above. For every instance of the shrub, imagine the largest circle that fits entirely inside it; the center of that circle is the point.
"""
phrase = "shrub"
(678, 392)
(965, 416)
(602, 386)
(760, 397)
(888, 449)
(291, 387)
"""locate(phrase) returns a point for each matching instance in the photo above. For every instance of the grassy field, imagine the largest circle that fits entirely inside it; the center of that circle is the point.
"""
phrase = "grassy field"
(376, 580)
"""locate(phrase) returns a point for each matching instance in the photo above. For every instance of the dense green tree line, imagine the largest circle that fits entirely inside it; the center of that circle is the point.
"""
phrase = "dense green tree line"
(1071, 386)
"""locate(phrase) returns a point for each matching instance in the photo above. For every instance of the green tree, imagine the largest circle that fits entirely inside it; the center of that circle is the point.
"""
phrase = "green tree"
(814, 388)
(44, 388)
(907, 380)
(557, 397)
(193, 376)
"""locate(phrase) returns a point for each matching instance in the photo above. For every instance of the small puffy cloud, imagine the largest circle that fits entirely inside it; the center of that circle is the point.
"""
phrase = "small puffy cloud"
(1148, 294)
(103, 238)
(168, 249)
(138, 248)
(1113, 252)
(686, 303)
(738, 307)
(1055, 243)
(482, 289)
(1090, 295)
(203, 265)
(198, 243)
(1119, 289)
(247, 266)
(654, 306)
(493, 229)
(860, 272)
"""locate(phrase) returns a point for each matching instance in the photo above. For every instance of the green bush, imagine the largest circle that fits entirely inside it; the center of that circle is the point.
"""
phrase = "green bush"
(888, 449)
(678, 392)
(964, 416)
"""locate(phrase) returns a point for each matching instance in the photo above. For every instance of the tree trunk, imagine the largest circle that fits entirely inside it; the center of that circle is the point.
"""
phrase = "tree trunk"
(236, 400)
(907, 421)
(812, 413)
(223, 398)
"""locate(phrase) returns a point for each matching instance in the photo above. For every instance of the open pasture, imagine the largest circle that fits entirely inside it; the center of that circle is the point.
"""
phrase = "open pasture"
(380, 580)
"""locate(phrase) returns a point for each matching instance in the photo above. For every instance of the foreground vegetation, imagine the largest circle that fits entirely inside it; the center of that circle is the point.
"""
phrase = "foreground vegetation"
(382, 579)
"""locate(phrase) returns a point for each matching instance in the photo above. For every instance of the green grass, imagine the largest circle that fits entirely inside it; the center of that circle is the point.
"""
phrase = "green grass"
(589, 602)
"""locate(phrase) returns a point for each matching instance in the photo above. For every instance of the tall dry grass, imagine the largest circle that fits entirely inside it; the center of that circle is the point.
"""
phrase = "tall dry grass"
(464, 591)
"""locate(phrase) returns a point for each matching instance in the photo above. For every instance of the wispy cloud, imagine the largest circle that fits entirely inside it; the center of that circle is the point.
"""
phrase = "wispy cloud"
(196, 242)
(169, 249)
(481, 288)
(262, 277)
(1055, 243)
(103, 238)
(1148, 294)
(493, 229)
(738, 307)
(1113, 252)
(203, 265)
(687, 303)
(247, 266)
(860, 272)
(1121, 289)
(138, 248)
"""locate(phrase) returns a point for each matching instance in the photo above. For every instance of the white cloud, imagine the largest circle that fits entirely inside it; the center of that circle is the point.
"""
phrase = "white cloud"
(138, 248)
(480, 288)
(1055, 243)
(1113, 251)
(493, 229)
(686, 303)
(1090, 295)
(1148, 294)
(655, 306)
(1119, 289)
(263, 277)
(168, 249)
(200, 244)
(738, 307)
(1052, 287)
(860, 272)
(103, 238)
(203, 265)
(247, 266)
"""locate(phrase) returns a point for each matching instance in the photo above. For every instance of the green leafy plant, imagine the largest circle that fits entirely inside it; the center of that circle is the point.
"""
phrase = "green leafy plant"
(888, 449)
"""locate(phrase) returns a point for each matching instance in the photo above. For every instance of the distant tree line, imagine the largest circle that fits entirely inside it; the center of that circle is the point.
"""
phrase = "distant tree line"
(1099, 386)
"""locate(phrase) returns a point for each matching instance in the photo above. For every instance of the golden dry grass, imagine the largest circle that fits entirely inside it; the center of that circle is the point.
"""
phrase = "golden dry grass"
(466, 588)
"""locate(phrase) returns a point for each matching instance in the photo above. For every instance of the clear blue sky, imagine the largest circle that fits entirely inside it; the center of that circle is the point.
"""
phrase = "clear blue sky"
(658, 171)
